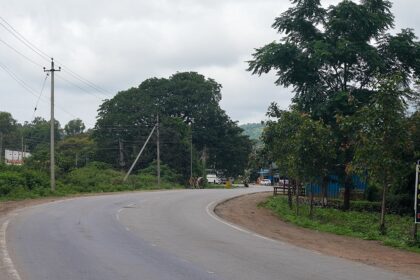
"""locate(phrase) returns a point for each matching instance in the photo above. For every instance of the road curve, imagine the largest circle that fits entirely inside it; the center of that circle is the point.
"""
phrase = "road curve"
(157, 235)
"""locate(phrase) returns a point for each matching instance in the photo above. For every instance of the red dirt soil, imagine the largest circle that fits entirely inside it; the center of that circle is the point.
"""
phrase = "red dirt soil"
(244, 211)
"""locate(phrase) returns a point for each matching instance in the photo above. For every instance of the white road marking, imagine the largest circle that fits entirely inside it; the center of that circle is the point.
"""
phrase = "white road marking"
(210, 211)
(211, 214)
(7, 261)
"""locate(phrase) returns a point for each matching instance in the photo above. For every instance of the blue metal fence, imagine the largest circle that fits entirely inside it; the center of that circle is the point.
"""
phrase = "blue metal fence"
(333, 187)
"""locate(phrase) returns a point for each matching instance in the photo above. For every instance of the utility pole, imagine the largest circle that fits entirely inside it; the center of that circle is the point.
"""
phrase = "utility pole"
(158, 150)
(22, 156)
(121, 160)
(191, 153)
(138, 156)
(52, 123)
(1, 146)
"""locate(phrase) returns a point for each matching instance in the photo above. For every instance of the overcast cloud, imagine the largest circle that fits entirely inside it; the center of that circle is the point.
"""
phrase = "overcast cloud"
(118, 44)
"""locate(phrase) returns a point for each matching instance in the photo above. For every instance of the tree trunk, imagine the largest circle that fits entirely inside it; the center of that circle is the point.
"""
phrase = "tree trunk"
(347, 190)
(289, 195)
(382, 227)
(325, 191)
(297, 198)
(311, 209)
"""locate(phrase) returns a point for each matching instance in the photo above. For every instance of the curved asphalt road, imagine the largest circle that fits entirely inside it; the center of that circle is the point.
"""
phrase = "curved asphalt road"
(157, 235)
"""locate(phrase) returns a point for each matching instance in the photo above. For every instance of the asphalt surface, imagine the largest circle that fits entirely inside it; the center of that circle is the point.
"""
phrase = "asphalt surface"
(157, 235)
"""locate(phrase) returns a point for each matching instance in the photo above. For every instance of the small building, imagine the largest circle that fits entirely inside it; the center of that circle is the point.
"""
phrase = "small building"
(15, 157)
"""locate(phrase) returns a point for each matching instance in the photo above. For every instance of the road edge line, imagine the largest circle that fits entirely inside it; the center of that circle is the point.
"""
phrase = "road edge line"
(210, 211)
(6, 260)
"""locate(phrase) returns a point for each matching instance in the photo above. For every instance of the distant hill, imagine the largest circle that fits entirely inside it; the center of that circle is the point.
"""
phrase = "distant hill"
(253, 130)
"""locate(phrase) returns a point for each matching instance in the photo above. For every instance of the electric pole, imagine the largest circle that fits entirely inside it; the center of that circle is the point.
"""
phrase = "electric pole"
(138, 156)
(22, 157)
(1, 146)
(121, 149)
(158, 150)
(52, 123)
(191, 152)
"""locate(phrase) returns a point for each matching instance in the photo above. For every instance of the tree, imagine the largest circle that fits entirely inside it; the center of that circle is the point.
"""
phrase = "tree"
(301, 147)
(383, 137)
(74, 152)
(37, 132)
(9, 134)
(74, 127)
(332, 57)
(183, 99)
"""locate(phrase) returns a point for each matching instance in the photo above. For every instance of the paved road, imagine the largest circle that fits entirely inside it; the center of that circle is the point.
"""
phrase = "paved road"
(158, 235)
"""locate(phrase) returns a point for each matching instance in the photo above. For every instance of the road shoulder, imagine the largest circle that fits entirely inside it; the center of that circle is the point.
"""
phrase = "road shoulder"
(243, 211)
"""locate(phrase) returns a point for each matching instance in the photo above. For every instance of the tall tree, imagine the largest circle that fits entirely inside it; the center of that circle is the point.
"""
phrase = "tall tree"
(74, 127)
(332, 56)
(183, 99)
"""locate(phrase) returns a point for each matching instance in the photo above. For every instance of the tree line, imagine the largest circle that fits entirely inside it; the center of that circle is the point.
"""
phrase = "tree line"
(191, 124)
(355, 109)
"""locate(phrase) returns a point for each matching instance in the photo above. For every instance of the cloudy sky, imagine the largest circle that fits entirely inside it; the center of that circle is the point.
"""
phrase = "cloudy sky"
(117, 44)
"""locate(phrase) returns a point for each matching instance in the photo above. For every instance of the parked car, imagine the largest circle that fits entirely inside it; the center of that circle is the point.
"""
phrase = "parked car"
(212, 178)
(265, 182)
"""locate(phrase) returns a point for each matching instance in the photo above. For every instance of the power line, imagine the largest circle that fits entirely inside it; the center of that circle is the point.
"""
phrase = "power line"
(83, 80)
(21, 54)
(22, 39)
(74, 84)
(18, 80)
(45, 56)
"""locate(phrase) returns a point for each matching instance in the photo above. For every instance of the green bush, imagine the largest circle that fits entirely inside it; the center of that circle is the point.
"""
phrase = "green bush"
(166, 173)
(19, 179)
(19, 182)
(95, 177)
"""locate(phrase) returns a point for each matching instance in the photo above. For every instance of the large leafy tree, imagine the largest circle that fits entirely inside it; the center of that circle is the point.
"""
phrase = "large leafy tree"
(332, 56)
(74, 127)
(188, 105)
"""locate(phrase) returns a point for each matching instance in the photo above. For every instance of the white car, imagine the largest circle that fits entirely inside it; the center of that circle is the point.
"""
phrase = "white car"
(265, 182)
(213, 179)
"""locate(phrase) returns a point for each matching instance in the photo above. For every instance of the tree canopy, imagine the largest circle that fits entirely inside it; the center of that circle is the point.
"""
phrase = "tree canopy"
(187, 103)
(333, 58)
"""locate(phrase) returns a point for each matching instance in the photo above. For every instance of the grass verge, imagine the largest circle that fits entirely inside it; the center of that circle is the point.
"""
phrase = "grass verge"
(364, 225)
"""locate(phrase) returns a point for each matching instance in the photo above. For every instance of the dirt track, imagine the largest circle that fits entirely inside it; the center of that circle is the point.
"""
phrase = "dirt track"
(244, 212)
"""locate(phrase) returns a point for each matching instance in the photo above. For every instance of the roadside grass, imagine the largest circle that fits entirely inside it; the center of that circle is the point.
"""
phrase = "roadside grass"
(364, 225)
(19, 183)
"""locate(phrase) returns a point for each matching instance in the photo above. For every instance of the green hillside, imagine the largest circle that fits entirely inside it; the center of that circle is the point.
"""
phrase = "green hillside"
(253, 130)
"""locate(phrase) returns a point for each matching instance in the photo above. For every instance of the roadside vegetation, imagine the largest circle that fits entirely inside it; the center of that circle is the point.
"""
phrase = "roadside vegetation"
(20, 182)
(354, 223)
(355, 113)
(194, 132)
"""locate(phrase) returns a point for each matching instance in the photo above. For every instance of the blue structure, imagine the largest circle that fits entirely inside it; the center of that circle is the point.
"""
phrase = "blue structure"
(334, 186)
